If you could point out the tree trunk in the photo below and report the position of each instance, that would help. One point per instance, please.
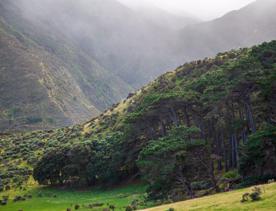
(249, 115)
(174, 116)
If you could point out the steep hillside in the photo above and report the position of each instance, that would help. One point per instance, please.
(37, 90)
(62, 86)
(181, 133)
(248, 26)
(163, 18)
(121, 40)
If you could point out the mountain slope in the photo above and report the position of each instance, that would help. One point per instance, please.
(124, 46)
(163, 18)
(248, 26)
(196, 116)
(70, 85)
(36, 89)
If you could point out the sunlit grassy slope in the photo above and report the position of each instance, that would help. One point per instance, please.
(227, 201)
(45, 199)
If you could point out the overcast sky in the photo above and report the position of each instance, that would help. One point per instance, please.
(204, 9)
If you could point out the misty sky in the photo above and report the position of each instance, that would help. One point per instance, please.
(203, 9)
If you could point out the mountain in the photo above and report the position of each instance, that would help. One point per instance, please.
(250, 25)
(191, 132)
(164, 19)
(46, 79)
(87, 53)
(81, 57)
(36, 88)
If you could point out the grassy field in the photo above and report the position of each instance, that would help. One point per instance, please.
(45, 199)
(227, 201)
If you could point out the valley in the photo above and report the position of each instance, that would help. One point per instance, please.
(180, 121)
(108, 106)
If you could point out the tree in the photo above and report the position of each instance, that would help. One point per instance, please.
(49, 169)
(258, 155)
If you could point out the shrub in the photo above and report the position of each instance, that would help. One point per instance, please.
(255, 196)
(3, 202)
(257, 190)
(270, 181)
(201, 185)
(5, 198)
(19, 198)
(253, 180)
(77, 206)
(97, 205)
(129, 208)
(112, 207)
(245, 197)
(231, 174)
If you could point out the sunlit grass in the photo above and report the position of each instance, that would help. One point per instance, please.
(227, 201)
(60, 200)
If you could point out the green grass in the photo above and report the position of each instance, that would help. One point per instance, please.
(123, 196)
(229, 201)
(120, 197)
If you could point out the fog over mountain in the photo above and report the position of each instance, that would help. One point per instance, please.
(80, 57)
(203, 9)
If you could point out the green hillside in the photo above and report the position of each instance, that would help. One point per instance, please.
(226, 201)
(206, 127)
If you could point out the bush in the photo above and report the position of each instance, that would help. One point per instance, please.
(245, 197)
(112, 207)
(5, 198)
(270, 181)
(232, 175)
(3, 202)
(201, 185)
(129, 208)
(254, 180)
(255, 196)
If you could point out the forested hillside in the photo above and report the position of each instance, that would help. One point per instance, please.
(206, 127)
(63, 61)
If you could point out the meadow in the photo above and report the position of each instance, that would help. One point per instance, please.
(50, 199)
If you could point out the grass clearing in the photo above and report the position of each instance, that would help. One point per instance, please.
(123, 196)
(119, 197)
